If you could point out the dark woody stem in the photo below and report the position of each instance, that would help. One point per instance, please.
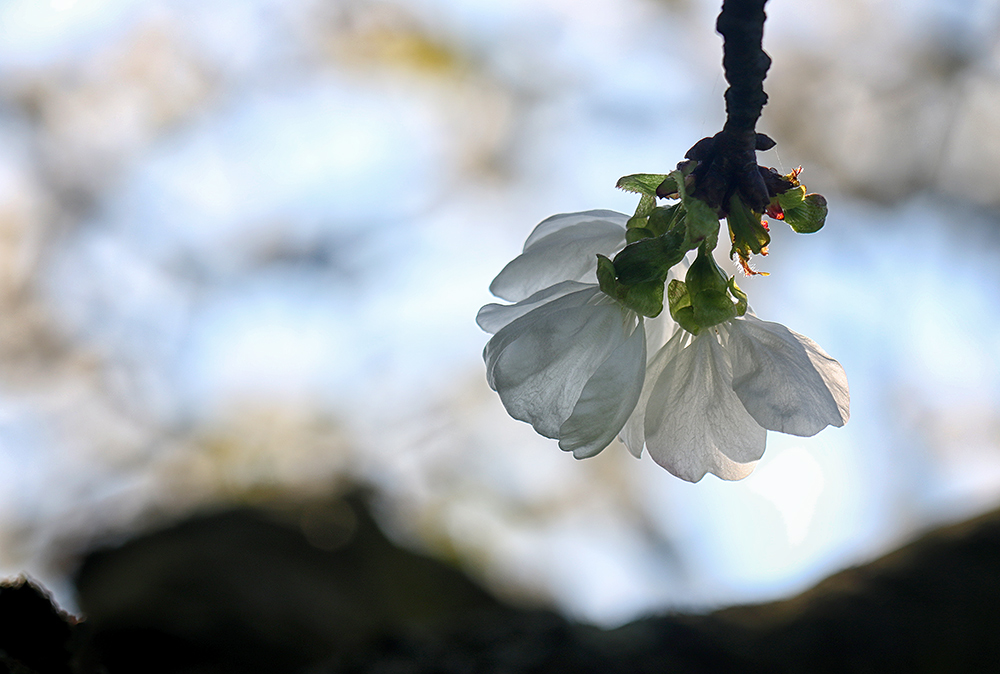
(741, 24)
(728, 160)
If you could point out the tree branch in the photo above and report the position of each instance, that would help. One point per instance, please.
(728, 160)
(741, 25)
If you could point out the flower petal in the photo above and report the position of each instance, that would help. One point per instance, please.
(633, 434)
(540, 363)
(694, 423)
(607, 400)
(785, 380)
(493, 317)
(523, 324)
(566, 254)
(561, 221)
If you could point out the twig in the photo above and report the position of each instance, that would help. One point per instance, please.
(728, 160)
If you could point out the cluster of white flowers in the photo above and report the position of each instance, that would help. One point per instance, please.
(583, 368)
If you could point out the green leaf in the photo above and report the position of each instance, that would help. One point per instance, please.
(641, 183)
(791, 198)
(662, 219)
(648, 259)
(646, 205)
(678, 177)
(809, 216)
(702, 224)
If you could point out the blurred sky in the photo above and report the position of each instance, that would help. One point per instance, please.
(243, 243)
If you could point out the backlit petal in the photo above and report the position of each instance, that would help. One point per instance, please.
(607, 400)
(567, 254)
(561, 221)
(633, 434)
(524, 324)
(785, 380)
(540, 363)
(695, 423)
(493, 317)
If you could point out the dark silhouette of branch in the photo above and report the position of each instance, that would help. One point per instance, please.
(741, 24)
(727, 162)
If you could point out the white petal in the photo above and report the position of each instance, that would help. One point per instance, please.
(694, 423)
(563, 220)
(540, 363)
(659, 330)
(633, 435)
(567, 254)
(607, 400)
(524, 324)
(785, 380)
(493, 317)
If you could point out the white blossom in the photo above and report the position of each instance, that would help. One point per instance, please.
(708, 401)
(582, 368)
(563, 247)
(565, 357)
(573, 366)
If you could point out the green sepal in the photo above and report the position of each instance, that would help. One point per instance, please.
(707, 286)
(638, 234)
(648, 259)
(712, 307)
(681, 310)
(809, 216)
(636, 222)
(748, 233)
(741, 297)
(700, 220)
(645, 207)
(643, 298)
(662, 219)
(702, 225)
(606, 277)
(704, 274)
(641, 183)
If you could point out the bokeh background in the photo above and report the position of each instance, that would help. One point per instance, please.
(243, 243)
